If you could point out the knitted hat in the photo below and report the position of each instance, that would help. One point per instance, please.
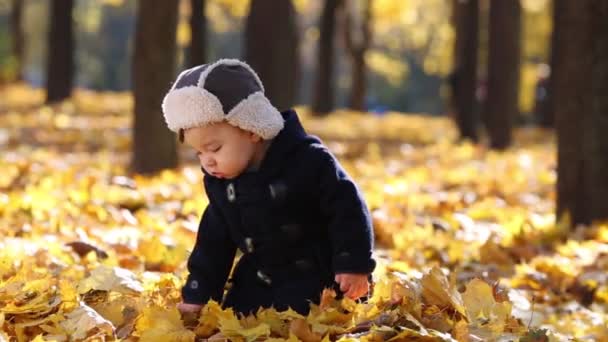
(225, 90)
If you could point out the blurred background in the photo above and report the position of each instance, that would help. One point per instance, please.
(462, 70)
(476, 130)
(408, 45)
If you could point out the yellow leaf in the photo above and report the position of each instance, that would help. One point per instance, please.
(490, 252)
(348, 304)
(408, 334)
(69, 296)
(83, 320)
(228, 323)
(159, 324)
(208, 322)
(161, 252)
(436, 290)
(301, 329)
(112, 311)
(106, 278)
(276, 320)
(461, 331)
(254, 333)
(483, 310)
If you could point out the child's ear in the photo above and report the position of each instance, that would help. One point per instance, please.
(181, 135)
(254, 137)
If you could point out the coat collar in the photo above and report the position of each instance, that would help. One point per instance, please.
(289, 137)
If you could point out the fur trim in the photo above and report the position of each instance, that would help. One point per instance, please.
(189, 107)
(256, 114)
(228, 61)
(194, 106)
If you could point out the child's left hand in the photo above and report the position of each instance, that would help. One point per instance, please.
(354, 285)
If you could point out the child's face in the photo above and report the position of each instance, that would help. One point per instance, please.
(224, 151)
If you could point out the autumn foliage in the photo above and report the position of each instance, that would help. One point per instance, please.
(467, 243)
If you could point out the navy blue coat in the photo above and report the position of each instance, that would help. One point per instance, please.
(298, 220)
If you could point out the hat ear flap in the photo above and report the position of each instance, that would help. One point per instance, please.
(191, 106)
(256, 114)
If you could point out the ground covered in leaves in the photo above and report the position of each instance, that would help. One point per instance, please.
(467, 245)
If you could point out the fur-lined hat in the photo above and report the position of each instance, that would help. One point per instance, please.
(227, 90)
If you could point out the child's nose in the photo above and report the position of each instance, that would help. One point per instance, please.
(207, 161)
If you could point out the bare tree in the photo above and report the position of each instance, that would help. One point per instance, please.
(17, 36)
(154, 146)
(357, 39)
(198, 28)
(581, 108)
(323, 101)
(503, 71)
(547, 114)
(60, 60)
(464, 76)
(271, 48)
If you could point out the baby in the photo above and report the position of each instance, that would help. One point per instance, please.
(275, 193)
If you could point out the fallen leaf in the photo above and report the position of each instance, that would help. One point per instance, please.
(159, 324)
(82, 321)
(107, 278)
(301, 329)
(82, 248)
(436, 290)
(483, 311)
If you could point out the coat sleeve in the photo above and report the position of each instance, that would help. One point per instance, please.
(210, 261)
(350, 225)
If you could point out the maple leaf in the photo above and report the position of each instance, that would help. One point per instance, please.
(106, 278)
(300, 328)
(461, 331)
(83, 320)
(442, 204)
(209, 319)
(159, 324)
(213, 316)
(436, 290)
(487, 317)
(278, 321)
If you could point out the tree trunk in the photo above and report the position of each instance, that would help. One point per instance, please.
(198, 28)
(357, 45)
(114, 50)
(547, 115)
(154, 146)
(18, 37)
(271, 48)
(60, 60)
(464, 77)
(581, 104)
(503, 71)
(323, 101)
(359, 81)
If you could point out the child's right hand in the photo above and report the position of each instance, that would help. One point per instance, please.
(185, 308)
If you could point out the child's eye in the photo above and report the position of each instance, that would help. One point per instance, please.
(215, 149)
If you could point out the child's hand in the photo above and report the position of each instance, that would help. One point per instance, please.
(353, 285)
(186, 308)
(189, 313)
